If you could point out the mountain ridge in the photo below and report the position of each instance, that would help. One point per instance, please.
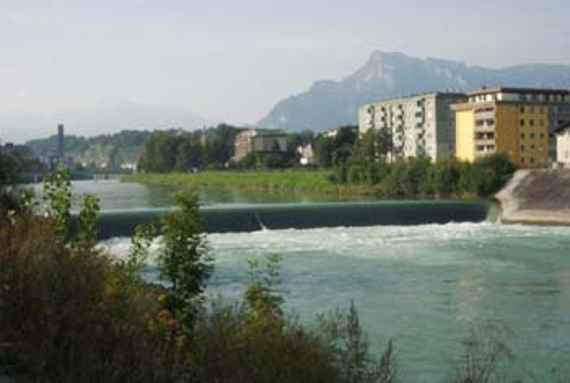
(330, 103)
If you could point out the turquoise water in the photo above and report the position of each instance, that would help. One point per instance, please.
(424, 286)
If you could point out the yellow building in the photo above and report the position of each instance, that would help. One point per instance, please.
(513, 121)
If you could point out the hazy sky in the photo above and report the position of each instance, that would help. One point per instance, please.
(233, 60)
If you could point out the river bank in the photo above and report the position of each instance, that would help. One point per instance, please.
(308, 182)
(540, 197)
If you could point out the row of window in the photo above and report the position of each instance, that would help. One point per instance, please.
(484, 136)
(532, 122)
(487, 122)
(485, 148)
(532, 135)
(531, 147)
(532, 109)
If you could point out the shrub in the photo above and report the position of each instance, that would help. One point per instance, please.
(70, 315)
(184, 260)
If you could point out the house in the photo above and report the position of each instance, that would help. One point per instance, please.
(259, 141)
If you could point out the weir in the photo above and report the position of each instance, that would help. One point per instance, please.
(249, 218)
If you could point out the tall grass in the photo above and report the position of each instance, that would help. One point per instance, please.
(318, 181)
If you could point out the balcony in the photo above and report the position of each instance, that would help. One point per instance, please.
(485, 142)
(485, 128)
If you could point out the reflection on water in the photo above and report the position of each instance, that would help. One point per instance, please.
(115, 195)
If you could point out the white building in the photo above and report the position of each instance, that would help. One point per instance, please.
(422, 125)
(562, 134)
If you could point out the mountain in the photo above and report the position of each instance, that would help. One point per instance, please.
(109, 116)
(328, 104)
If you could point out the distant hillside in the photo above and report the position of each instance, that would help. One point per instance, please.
(328, 104)
(109, 116)
(113, 149)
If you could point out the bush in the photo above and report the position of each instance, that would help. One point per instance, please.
(418, 177)
(70, 315)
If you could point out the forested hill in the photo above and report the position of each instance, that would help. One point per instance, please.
(112, 149)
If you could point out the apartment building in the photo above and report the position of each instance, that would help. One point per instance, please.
(259, 141)
(420, 125)
(515, 121)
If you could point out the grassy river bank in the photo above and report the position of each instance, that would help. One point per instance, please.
(285, 181)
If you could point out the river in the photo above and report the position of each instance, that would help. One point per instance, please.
(424, 285)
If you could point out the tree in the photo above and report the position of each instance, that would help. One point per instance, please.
(324, 148)
(184, 260)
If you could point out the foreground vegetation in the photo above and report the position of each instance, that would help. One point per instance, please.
(72, 313)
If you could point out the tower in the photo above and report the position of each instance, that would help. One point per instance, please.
(60, 143)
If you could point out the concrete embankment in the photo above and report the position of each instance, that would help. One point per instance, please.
(540, 197)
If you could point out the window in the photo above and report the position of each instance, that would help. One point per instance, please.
(523, 136)
(532, 160)
(522, 160)
(522, 122)
(532, 135)
(541, 135)
(531, 122)
(532, 147)
(522, 148)
(522, 109)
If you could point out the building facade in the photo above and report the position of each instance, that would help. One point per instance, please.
(422, 125)
(562, 139)
(259, 141)
(514, 121)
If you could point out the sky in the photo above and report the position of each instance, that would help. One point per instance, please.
(233, 60)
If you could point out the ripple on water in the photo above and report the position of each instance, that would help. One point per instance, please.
(422, 285)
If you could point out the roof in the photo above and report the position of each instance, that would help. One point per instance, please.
(501, 89)
(413, 96)
(264, 132)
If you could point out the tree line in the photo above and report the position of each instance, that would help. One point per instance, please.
(212, 148)
(369, 160)
(374, 161)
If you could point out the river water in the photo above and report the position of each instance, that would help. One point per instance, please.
(422, 285)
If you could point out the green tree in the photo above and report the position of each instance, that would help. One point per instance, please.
(262, 297)
(324, 149)
(87, 231)
(184, 259)
(57, 199)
